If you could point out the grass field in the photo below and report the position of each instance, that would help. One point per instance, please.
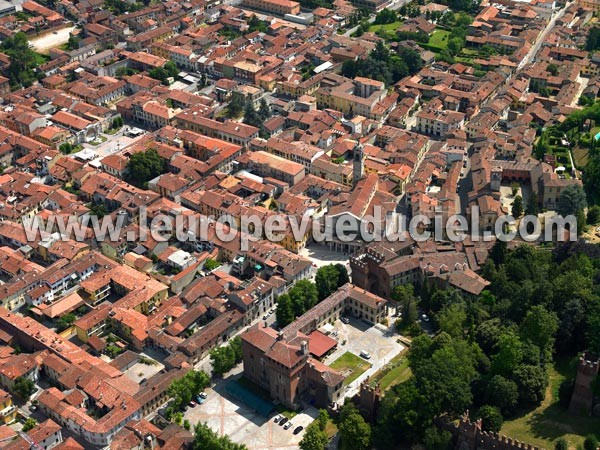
(385, 27)
(580, 155)
(544, 425)
(439, 39)
(395, 372)
(351, 366)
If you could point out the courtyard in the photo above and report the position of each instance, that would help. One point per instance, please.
(230, 417)
(144, 369)
(351, 366)
(357, 336)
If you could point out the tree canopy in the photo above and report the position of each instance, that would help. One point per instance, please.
(143, 167)
(23, 60)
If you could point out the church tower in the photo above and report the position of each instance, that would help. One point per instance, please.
(358, 163)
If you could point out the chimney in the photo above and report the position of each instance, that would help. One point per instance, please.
(304, 348)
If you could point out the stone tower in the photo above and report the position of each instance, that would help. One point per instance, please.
(358, 163)
(583, 397)
(496, 178)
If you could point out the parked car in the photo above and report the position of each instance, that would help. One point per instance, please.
(192, 403)
(200, 399)
(203, 395)
(425, 318)
(298, 429)
(277, 418)
(287, 426)
(283, 421)
(345, 320)
(365, 354)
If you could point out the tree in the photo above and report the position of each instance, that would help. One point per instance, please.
(73, 42)
(491, 419)
(207, 439)
(532, 205)
(455, 45)
(452, 319)
(264, 111)
(160, 74)
(23, 60)
(509, 354)
(593, 215)
(532, 382)
(329, 278)
(591, 179)
(444, 370)
(385, 16)
(517, 206)
(235, 107)
(304, 296)
(143, 167)
(552, 69)
(117, 123)
(24, 387)
(211, 264)
(561, 444)
(437, 439)
(502, 393)
(498, 252)
(284, 312)
(65, 321)
(572, 200)
(184, 389)
(171, 69)
(225, 358)
(314, 438)
(539, 327)
(355, 433)
(590, 442)
(593, 39)
(251, 117)
(29, 424)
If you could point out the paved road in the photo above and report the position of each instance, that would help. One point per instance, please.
(530, 57)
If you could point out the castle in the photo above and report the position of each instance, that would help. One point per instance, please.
(471, 437)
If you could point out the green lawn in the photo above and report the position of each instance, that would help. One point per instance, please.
(351, 366)
(395, 372)
(41, 58)
(581, 155)
(439, 39)
(385, 27)
(544, 425)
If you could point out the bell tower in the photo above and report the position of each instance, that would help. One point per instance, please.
(358, 163)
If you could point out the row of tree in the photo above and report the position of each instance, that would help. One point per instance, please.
(306, 294)
(226, 357)
(185, 389)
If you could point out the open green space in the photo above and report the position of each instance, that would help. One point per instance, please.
(351, 366)
(395, 372)
(549, 422)
(439, 39)
(385, 27)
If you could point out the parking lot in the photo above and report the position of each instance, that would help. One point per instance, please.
(236, 420)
